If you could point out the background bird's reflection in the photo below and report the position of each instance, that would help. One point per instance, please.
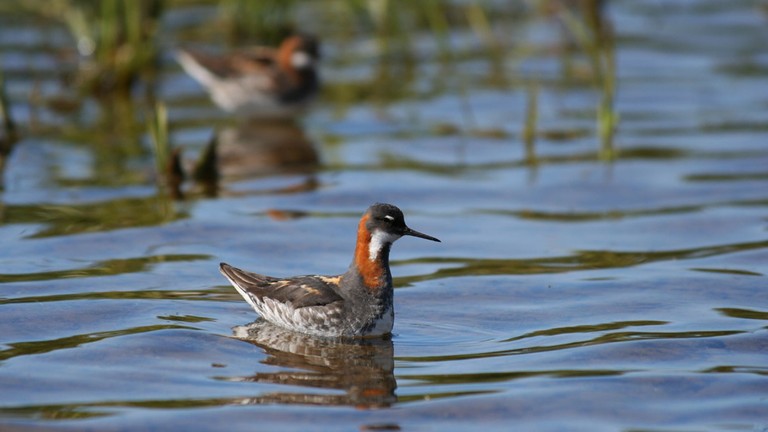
(264, 148)
(247, 149)
(362, 368)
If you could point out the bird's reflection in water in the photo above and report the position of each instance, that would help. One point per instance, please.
(258, 148)
(362, 368)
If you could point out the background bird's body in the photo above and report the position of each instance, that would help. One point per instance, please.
(259, 82)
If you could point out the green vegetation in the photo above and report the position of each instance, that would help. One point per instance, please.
(530, 125)
(8, 134)
(168, 169)
(116, 38)
(417, 50)
(595, 37)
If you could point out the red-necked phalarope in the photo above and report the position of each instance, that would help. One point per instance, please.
(356, 303)
(260, 82)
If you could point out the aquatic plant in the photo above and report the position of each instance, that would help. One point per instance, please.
(158, 132)
(530, 124)
(169, 172)
(593, 32)
(266, 21)
(115, 38)
(8, 133)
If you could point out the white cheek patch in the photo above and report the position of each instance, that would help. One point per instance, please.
(301, 60)
(379, 239)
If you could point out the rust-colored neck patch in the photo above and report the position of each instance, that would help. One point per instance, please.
(372, 272)
(284, 54)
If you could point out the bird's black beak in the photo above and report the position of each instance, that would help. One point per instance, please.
(415, 233)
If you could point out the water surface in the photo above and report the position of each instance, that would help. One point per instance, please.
(571, 291)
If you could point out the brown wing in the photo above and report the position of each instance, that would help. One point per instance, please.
(300, 291)
(236, 64)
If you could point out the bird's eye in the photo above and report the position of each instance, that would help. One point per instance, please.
(389, 218)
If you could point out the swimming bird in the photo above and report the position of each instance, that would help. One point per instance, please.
(356, 303)
(259, 82)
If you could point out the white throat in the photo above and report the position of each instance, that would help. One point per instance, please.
(380, 239)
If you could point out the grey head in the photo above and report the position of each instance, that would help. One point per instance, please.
(386, 222)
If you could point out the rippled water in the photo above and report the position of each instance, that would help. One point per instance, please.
(568, 293)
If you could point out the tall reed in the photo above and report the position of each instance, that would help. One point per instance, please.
(531, 123)
(594, 34)
(115, 38)
(8, 133)
(170, 174)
